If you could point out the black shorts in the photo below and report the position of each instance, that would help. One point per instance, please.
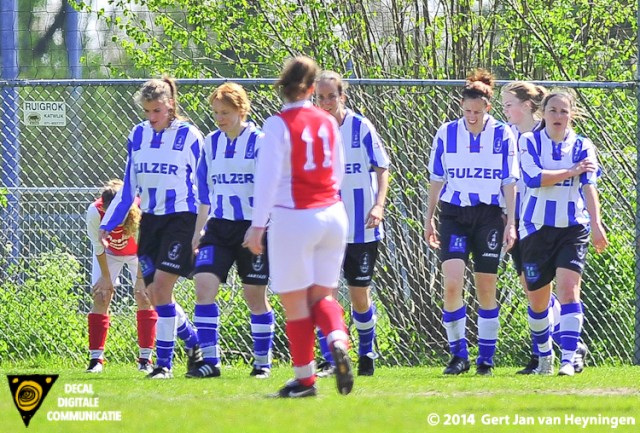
(475, 230)
(165, 244)
(221, 246)
(516, 253)
(550, 248)
(359, 263)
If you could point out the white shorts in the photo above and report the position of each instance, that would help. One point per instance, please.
(115, 264)
(306, 247)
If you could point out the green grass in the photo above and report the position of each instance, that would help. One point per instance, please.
(395, 400)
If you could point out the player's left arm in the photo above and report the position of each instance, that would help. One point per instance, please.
(376, 213)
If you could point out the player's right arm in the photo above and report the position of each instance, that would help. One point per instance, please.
(103, 286)
(121, 203)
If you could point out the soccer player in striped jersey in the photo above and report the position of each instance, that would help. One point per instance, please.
(560, 208)
(225, 186)
(521, 104)
(473, 167)
(364, 192)
(298, 175)
(162, 155)
(108, 262)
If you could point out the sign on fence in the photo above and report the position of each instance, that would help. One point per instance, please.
(44, 113)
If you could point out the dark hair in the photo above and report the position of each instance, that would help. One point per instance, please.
(297, 77)
(479, 85)
(526, 91)
(164, 90)
(567, 93)
(335, 77)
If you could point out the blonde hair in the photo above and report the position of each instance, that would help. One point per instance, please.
(525, 91)
(232, 94)
(479, 85)
(164, 90)
(132, 221)
(335, 77)
(297, 77)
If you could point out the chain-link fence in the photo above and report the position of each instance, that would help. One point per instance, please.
(52, 174)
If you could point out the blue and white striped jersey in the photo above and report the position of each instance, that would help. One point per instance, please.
(160, 169)
(226, 173)
(520, 185)
(562, 204)
(363, 150)
(474, 169)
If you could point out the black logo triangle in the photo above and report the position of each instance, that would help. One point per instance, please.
(29, 391)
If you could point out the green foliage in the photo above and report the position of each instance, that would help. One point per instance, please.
(3, 197)
(566, 40)
(39, 306)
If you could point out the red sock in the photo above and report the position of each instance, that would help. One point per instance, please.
(328, 315)
(146, 320)
(302, 341)
(98, 327)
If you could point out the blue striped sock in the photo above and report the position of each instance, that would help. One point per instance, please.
(488, 326)
(571, 319)
(455, 323)
(324, 347)
(365, 323)
(186, 331)
(207, 318)
(541, 331)
(262, 332)
(165, 334)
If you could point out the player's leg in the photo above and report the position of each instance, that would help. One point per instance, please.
(327, 313)
(254, 273)
(146, 318)
(98, 318)
(359, 265)
(207, 315)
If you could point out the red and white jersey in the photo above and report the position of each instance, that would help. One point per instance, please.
(301, 161)
(119, 245)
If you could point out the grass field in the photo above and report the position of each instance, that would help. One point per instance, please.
(396, 400)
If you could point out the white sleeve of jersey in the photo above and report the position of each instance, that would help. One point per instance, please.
(530, 161)
(380, 155)
(338, 160)
(437, 167)
(513, 163)
(591, 178)
(194, 155)
(93, 229)
(269, 169)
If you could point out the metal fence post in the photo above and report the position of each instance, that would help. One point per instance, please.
(10, 144)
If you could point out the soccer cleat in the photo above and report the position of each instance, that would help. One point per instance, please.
(145, 365)
(294, 389)
(343, 369)
(484, 369)
(325, 369)
(95, 366)
(260, 373)
(457, 365)
(204, 370)
(580, 356)
(160, 373)
(366, 366)
(194, 358)
(531, 366)
(545, 366)
(566, 369)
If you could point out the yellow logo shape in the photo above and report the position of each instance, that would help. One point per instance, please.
(29, 392)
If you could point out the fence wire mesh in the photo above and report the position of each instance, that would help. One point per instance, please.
(52, 174)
